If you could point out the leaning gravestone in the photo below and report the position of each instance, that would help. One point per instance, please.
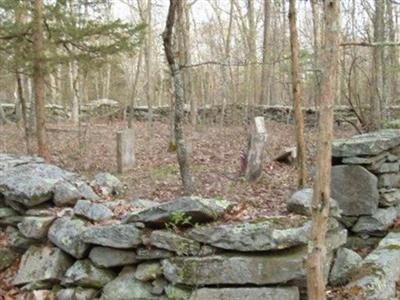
(255, 155)
(125, 150)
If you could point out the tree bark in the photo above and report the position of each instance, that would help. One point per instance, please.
(181, 150)
(265, 68)
(39, 80)
(297, 95)
(321, 194)
(315, 8)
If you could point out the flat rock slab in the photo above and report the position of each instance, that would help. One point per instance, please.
(171, 241)
(379, 271)
(65, 233)
(190, 209)
(369, 144)
(127, 287)
(84, 273)
(273, 233)
(379, 222)
(105, 257)
(355, 189)
(92, 211)
(273, 293)
(8, 161)
(31, 184)
(76, 294)
(42, 264)
(241, 270)
(123, 236)
(151, 253)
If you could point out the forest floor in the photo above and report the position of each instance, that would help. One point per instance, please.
(215, 160)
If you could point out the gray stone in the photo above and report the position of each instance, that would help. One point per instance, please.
(300, 203)
(34, 183)
(380, 270)
(76, 294)
(348, 221)
(361, 242)
(389, 180)
(148, 271)
(66, 194)
(389, 197)
(273, 233)
(35, 227)
(144, 253)
(108, 184)
(178, 293)
(127, 287)
(240, 270)
(345, 264)
(7, 257)
(92, 211)
(6, 212)
(105, 257)
(173, 242)
(159, 286)
(355, 189)
(389, 168)
(12, 220)
(41, 264)
(183, 210)
(8, 161)
(85, 274)
(368, 144)
(270, 293)
(380, 221)
(17, 241)
(369, 161)
(65, 234)
(122, 236)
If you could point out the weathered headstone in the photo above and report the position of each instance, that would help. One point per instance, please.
(255, 153)
(125, 150)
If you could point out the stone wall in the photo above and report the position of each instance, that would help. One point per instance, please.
(77, 246)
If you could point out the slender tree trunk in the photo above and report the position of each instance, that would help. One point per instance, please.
(22, 100)
(252, 83)
(321, 194)
(181, 150)
(266, 52)
(74, 77)
(315, 8)
(134, 89)
(39, 80)
(393, 56)
(148, 56)
(297, 95)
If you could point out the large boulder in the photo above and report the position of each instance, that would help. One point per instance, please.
(127, 287)
(183, 211)
(247, 293)
(85, 274)
(273, 233)
(106, 257)
(368, 144)
(42, 264)
(33, 183)
(355, 189)
(65, 233)
(122, 236)
(379, 271)
(300, 203)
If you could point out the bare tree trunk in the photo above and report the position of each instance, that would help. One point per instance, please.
(148, 56)
(266, 52)
(297, 95)
(25, 120)
(134, 89)
(181, 150)
(321, 194)
(39, 80)
(73, 78)
(315, 8)
(393, 56)
(376, 97)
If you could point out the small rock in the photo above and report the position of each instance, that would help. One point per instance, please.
(158, 286)
(7, 257)
(183, 211)
(42, 263)
(127, 287)
(300, 203)
(379, 222)
(35, 227)
(247, 293)
(76, 294)
(178, 293)
(390, 180)
(345, 263)
(85, 274)
(65, 234)
(173, 242)
(148, 271)
(143, 253)
(389, 168)
(108, 184)
(92, 211)
(105, 257)
(65, 194)
(389, 197)
(17, 241)
(6, 212)
(122, 236)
